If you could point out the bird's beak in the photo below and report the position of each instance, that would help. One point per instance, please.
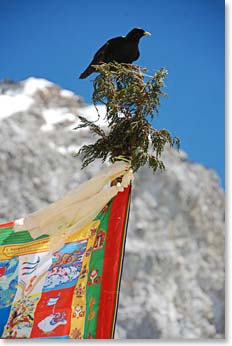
(147, 33)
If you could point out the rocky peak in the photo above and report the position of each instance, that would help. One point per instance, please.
(173, 276)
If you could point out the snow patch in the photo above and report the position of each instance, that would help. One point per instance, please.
(68, 150)
(47, 127)
(56, 115)
(92, 114)
(32, 85)
(21, 102)
(14, 104)
(67, 93)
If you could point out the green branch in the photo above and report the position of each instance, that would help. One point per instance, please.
(131, 99)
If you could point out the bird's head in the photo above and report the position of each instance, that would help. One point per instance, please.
(136, 33)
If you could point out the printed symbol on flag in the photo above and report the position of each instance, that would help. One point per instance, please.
(21, 318)
(8, 281)
(3, 270)
(30, 267)
(84, 272)
(8, 272)
(61, 277)
(99, 242)
(94, 278)
(106, 207)
(80, 291)
(29, 287)
(76, 333)
(51, 322)
(53, 300)
(93, 231)
(89, 251)
(91, 312)
(78, 311)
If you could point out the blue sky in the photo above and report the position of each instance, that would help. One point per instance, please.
(56, 39)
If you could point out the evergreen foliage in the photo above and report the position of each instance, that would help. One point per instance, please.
(132, 99)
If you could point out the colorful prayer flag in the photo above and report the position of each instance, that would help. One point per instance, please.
(72, 293)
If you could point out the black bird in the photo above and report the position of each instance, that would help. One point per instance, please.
(122, 49)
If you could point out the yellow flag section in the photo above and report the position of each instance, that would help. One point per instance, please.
(79, 297)
(40, 245)
(12, 250)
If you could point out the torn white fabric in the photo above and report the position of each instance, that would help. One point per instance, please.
(78, 208)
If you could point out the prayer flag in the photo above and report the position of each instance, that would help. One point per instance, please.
(71, 293)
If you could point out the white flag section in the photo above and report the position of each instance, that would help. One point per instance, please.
(78, 208)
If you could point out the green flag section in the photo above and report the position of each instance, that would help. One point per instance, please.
(71, 294)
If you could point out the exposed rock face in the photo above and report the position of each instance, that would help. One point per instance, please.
(173, 276)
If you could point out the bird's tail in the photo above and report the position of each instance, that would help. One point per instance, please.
(90, 69)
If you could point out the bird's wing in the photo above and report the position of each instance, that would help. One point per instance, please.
(104, 53)
(98, 58)
(100, 54)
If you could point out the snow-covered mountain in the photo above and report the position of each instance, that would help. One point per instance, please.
(173, 276)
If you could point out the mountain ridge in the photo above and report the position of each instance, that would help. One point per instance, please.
(173, 275)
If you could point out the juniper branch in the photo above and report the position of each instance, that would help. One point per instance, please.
(131, 99)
